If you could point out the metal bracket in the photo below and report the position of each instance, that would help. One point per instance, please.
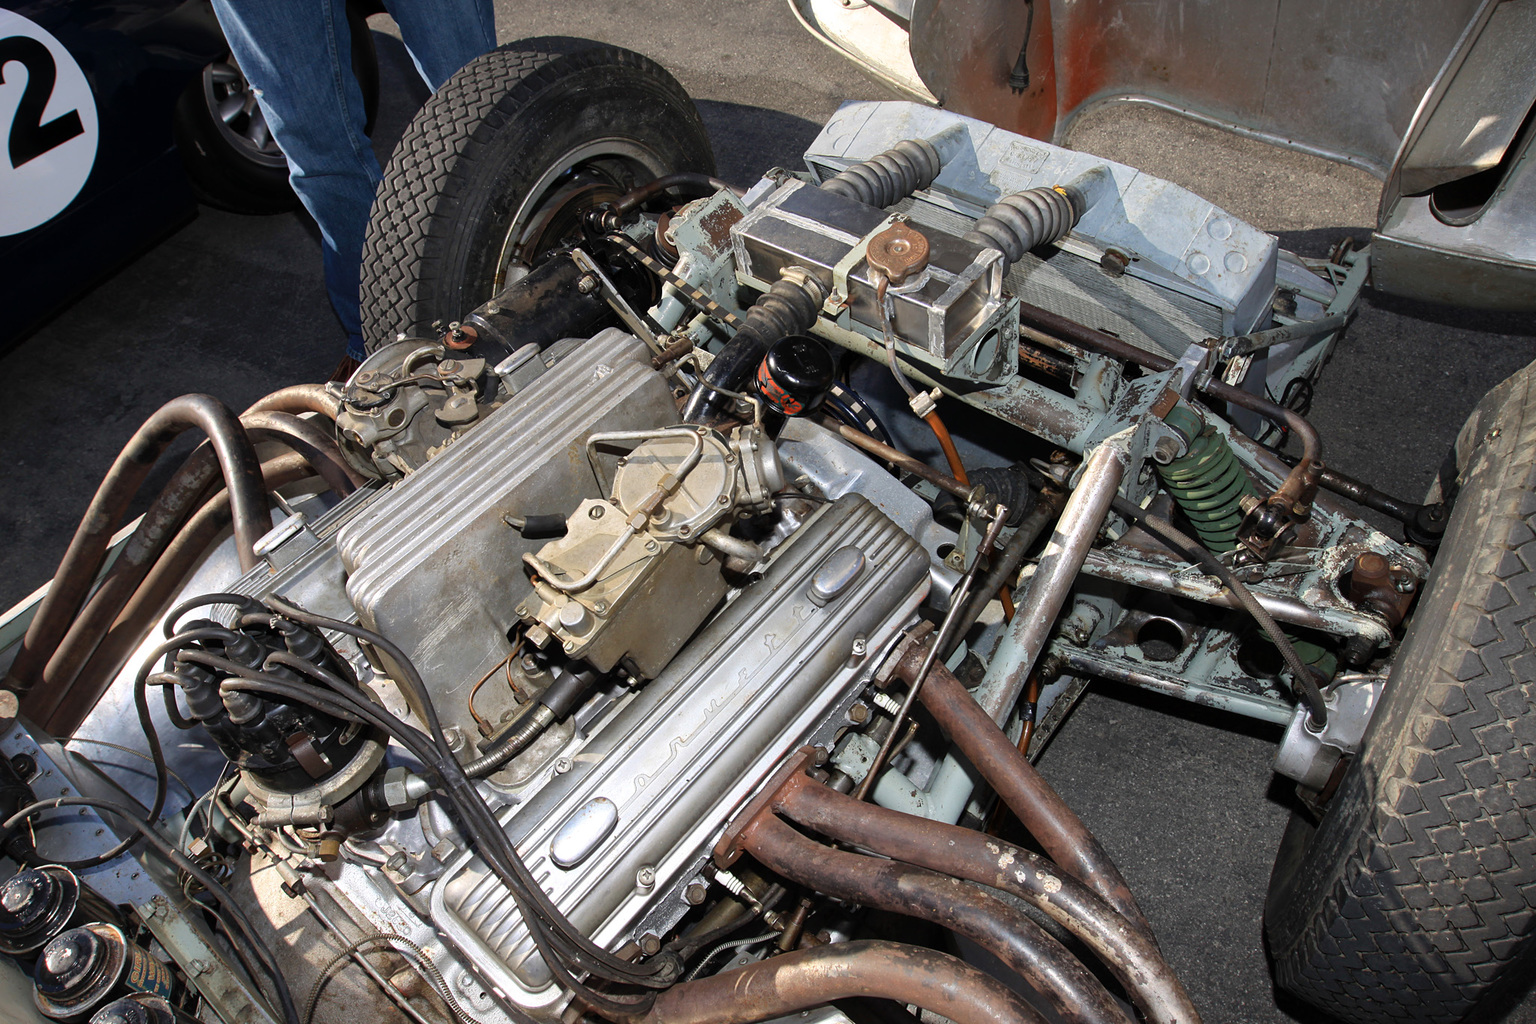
(837, 300)
(1309, 756)
(631, 319)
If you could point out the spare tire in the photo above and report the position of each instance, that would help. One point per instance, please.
(499, 164)
(1414, 897)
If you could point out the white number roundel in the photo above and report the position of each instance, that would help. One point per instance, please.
(48, 128)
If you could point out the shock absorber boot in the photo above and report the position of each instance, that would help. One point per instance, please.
(789, 307)
(1019, 222)
(1206, 482)
(890, 176)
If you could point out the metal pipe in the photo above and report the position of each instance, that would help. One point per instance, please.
(698, 184)
(1131, 955)
(957, 601)
(1086, 663)
(147, 603)
(901, 460)
(1045, 361)
(77, 570)
(305, 437)
(1039, 808)
(1019, 942)
(299, 398)
(1343, 621)
(805, 978)
(1005, 567)
(169, 512)
(1257, 341)
(1081, 519)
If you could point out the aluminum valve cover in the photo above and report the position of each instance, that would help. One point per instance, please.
(433, 566)
(651, 790)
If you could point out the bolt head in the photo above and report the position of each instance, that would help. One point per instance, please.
(695, 893)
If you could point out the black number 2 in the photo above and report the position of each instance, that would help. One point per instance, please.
(30, 138)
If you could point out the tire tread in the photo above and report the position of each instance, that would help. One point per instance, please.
(427, 176)
(1436, 897)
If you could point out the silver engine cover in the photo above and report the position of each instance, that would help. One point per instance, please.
(773, 671)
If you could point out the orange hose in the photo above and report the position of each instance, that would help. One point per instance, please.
(946, 442)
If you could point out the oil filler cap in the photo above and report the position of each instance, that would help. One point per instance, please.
(836, 574)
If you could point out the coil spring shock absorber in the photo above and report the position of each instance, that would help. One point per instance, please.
(1207, 481)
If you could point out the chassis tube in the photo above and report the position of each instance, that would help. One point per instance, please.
(786, 984)
(1130, 954)
(1039, 808)
(1081, 519)
(77, 570)
(903, 889)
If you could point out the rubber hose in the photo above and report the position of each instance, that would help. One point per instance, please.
(1018, 223)
(789, 307)
(890, 176)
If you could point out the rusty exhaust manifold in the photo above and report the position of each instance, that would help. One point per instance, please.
(928, 860)
(1007, 933)
(782, 985)
(1129, 953)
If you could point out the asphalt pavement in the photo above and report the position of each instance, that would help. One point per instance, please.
(1182, 797)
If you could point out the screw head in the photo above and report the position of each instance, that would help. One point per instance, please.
(596, 511)
(645, 877)
(562, 765)
(860, 646)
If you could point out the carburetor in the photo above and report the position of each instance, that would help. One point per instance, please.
(663, 530)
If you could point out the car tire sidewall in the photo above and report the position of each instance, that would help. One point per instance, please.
(1341, 855)
(580, 107)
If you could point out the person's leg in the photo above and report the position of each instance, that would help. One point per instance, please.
(297, 54)
(444, 35)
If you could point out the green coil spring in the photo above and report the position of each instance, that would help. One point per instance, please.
(1206, 481)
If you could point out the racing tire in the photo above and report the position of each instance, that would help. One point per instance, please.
(1413, 898)
(231, 161)
(497, 165)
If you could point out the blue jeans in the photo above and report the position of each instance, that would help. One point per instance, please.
(297, 55)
